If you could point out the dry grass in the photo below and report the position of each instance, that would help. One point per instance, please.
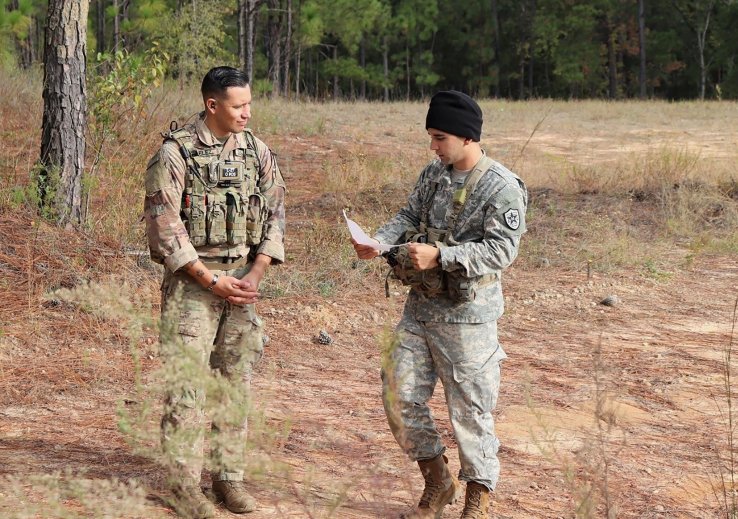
(636, 189)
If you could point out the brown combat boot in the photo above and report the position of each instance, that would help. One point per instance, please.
(476, 505)
(234, 495)
(441, 488)
(190, 503)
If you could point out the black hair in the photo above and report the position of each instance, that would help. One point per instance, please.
(218, 79)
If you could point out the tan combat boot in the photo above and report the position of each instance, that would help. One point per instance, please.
(476, 505)
(234, 495)
(441, 488)
(190, 503)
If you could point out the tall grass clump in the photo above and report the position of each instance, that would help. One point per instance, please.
(72, 496)
(725, 476)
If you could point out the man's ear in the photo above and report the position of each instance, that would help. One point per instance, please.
(210, 104)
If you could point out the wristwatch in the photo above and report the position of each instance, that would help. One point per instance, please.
(213, 282)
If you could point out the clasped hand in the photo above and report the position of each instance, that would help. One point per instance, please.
(236, 291)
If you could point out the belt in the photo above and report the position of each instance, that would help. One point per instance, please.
(224, 263)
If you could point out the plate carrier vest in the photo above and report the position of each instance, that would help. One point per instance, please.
(221, 202)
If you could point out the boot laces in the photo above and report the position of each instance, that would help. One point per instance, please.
(473, 502)
(430, 493)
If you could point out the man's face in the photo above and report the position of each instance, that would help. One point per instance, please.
(449, 148)
(230, 113)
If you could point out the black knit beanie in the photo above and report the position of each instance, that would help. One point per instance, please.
(455, 113)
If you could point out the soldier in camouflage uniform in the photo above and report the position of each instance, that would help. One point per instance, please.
(464, 219)
(214, 213)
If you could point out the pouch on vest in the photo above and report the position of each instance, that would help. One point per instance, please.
(193, 207)
(235, 218)
(464, 289)
(256, 217)
(429, 282)
(216, 219)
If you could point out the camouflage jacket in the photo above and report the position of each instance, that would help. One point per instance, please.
(167, 235)
(486, 238)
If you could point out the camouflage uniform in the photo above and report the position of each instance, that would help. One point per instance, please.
(210, 331)
(451, 340)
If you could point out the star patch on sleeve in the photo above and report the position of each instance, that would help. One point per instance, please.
(512, 219)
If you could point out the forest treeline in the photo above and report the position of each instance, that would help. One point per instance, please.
(406, 49)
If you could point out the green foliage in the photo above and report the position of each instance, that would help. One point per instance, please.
(15, 24)
(510, 48)
(193, 37)
(119, 86)
(41, 192)
(346, 68)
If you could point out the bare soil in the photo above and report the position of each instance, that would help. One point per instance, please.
(656, 357)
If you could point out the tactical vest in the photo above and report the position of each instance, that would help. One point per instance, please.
(221, 202)
(436, 281)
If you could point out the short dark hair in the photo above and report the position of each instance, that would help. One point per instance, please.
(218, 79)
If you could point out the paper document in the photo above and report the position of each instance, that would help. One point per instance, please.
(362, 238)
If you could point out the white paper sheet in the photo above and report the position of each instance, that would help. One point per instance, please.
(362, 238)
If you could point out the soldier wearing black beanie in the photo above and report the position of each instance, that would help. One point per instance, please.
(456, 113)
(463, 220)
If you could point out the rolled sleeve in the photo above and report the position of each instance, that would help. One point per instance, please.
(181, 257)
(167, 236)
(272, 186)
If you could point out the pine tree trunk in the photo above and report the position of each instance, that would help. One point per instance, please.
(335, 76)
(100, 26)
(287, 52)
(298, 64)
(241, 26)
(116, 26)
(274, 31)
(407, 69)
(642, 47)
(385, 65)
(362, 62)
(65, 103)
(612, 66)
(496, 60)
(250, 15)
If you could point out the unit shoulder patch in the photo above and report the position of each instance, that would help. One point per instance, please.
(512, 219)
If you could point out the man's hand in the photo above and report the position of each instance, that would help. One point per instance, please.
(423, 256)
(249, 284)
(365, 252)
(236, 291)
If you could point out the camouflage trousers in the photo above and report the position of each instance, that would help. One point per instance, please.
(466, 358)
(208, 348)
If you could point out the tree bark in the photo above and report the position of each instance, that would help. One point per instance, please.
(407, 69)
(274, 30)
(287, 51)
(335, 76)
(116, 26)
(702, 45)
(362, 61)
(642, 48)
(612, 66)
(496, 41)
(385, 64)
(534, 6)
(241, 26)
(100, 26)
(65, 104)
(251, 6)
